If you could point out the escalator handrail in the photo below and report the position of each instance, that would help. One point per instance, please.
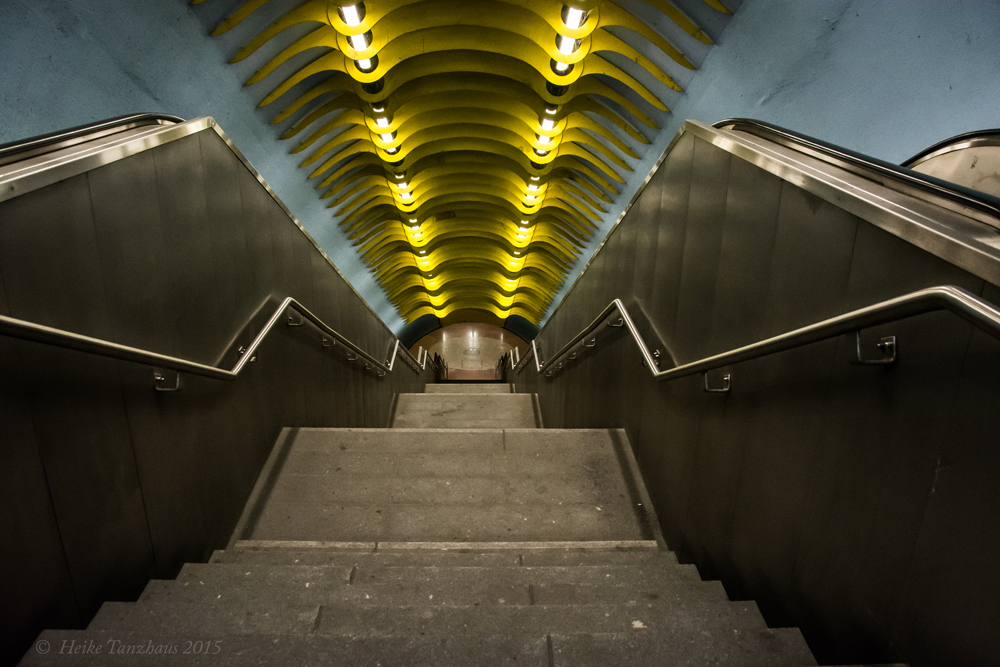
(979, 137)
(966, 305)
(38, 333)
(979, 201)
(45, 143)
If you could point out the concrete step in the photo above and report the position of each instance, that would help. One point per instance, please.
(465, 411)
(642, 576)
(443, 558)
(447, 523)
(249, 650)
(392, 485)
(683, 644)
(470, 388)
(359, 619)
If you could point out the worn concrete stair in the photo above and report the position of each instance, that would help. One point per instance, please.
(466, 406)
(469, 388)
(447, 545)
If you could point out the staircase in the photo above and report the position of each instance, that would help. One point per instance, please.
(465, 534)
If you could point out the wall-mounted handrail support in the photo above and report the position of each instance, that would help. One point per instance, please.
(886, 346)
(38, 333)
(966, 305)
(726, 384)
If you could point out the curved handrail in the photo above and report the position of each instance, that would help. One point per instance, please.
(38, 333)
(966, 305)
(34, 146)
(965, 140)
(953, 192)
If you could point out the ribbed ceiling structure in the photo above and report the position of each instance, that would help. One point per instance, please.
(468, 147)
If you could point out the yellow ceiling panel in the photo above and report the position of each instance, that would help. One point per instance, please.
(468, 149)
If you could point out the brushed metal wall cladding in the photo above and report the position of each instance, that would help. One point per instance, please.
(858, 502)
(104, 482)
(470, 150)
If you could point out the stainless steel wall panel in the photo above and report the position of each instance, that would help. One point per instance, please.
(44, 282)
(167, 432)
(50, 260)
(260, 213)
(33, 568)
(744, 265)
(664, 282)
(702, 250)
(782, 400)
(949, 613)
(671, 415)
(223, 173)
(648, 219)
(83, 436)
(192, 290)
(889, 426)
(813, 245)
(132, 254)
(745, 255)
(807, 282)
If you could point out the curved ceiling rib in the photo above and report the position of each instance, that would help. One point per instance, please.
(469, 149)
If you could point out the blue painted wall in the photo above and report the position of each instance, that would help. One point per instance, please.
(67, 63)
(883, 77)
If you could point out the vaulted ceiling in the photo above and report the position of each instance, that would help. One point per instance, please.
(468, 148)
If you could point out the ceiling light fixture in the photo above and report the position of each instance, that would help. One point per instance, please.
(567, 45)
(360, 42)
(560, 68)
(574, 18)
(367, 65)
(352, 14)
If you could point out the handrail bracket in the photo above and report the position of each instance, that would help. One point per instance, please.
(886, 345)
(726, 384)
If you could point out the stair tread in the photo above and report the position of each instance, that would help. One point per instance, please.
(435, 522)
(640, 572)
(683, 644)
(328, 556)
(351, 619)
(250, 650)
(464, 411)
(467, 388)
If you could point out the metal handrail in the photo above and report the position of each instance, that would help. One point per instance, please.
(964, 140)
(38, 333)
(966, 305)
(959, 194)
(35, 146)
